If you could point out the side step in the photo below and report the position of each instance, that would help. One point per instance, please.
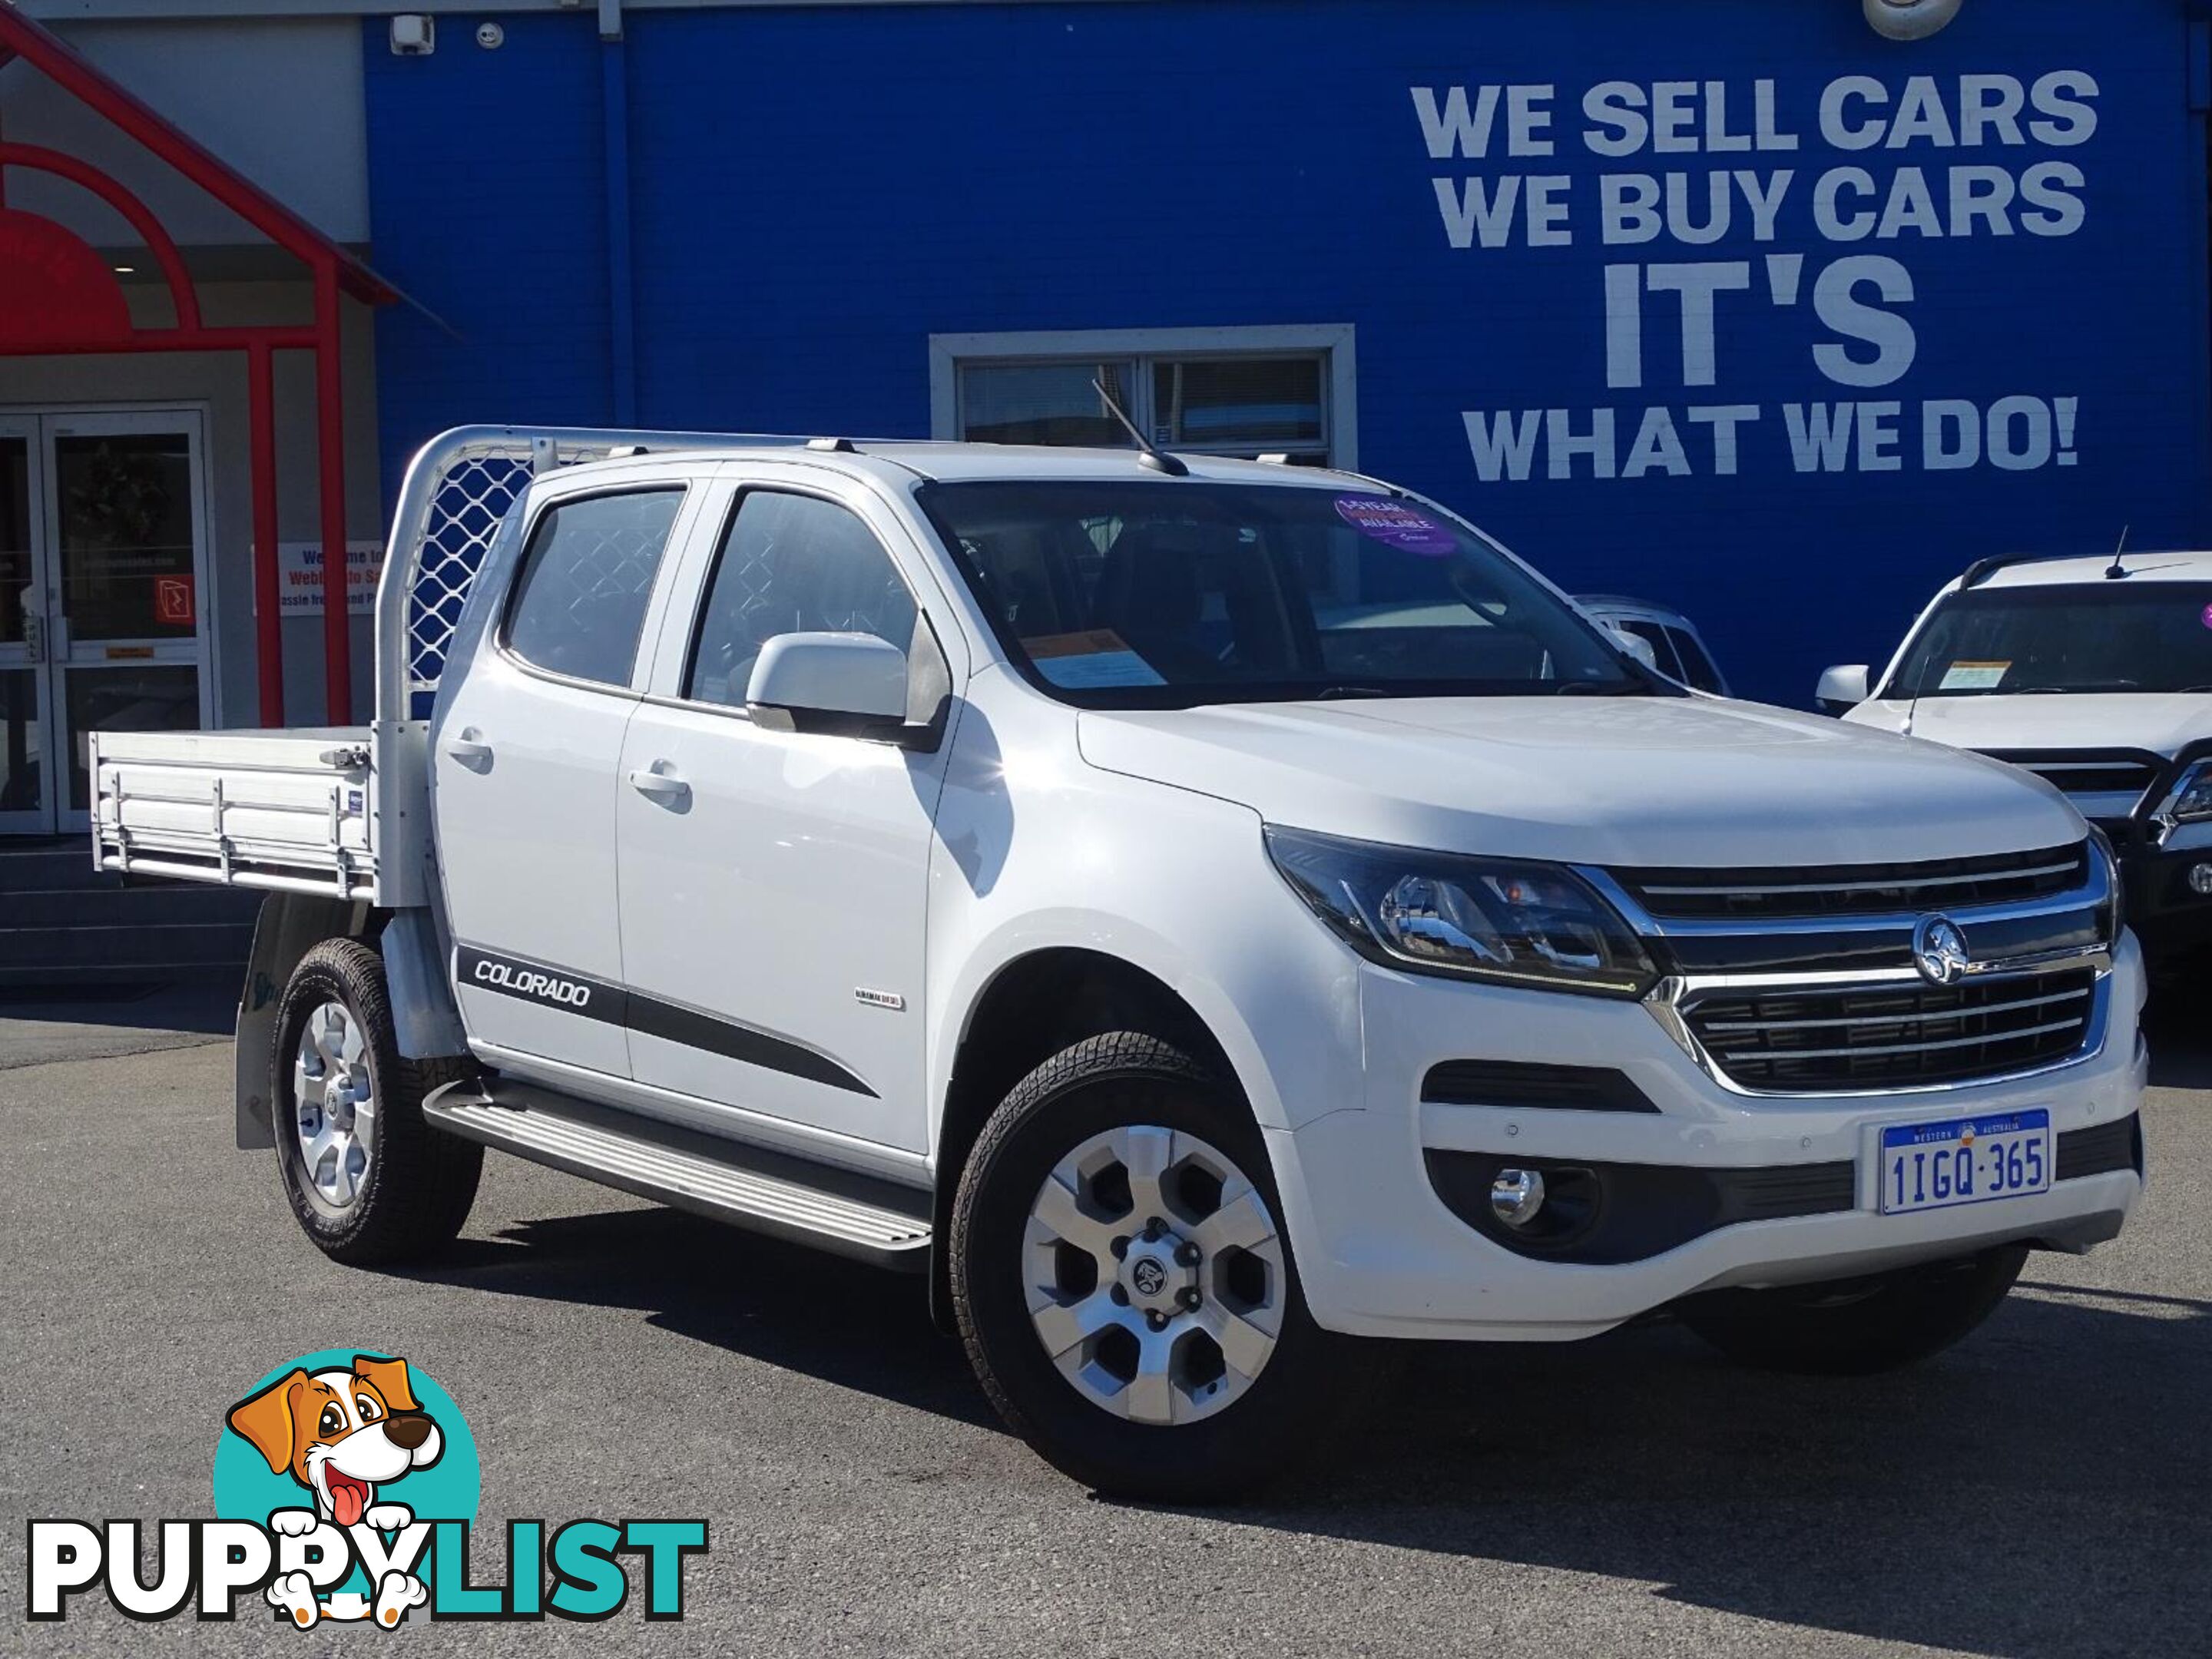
(768, 1192)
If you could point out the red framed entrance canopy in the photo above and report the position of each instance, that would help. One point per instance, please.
(59, 297)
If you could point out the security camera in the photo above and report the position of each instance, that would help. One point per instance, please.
(1909, 20)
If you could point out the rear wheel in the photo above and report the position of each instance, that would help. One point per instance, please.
(370, 1180)
(1860, 1326)
(1122, 1282)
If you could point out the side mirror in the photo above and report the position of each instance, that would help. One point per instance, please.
(1842, 690)
(1636, 646)
(849, 685)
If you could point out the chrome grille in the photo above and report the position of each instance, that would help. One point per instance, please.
(1823, 1040)
(2100, 784)
(2096, 777)
(1856, 890)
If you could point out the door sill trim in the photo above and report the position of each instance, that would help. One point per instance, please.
(765, 1191)
(713, 1117)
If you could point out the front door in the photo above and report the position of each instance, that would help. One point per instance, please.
(103, 566)
(775, 884)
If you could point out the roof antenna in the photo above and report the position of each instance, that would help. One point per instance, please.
(1147, 454)
(2117, 569)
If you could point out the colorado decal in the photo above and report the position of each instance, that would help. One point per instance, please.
(650, 1016)
(533, 983)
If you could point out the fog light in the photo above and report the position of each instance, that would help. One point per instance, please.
(2200, 880)
(1517, 1196)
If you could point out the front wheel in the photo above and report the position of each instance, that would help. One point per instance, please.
(1860, 1326)
(370, 1180)
(1122, 1282)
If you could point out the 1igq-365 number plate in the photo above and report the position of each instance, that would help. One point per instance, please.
(1966, 1160)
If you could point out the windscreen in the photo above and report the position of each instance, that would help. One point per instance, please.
(1134, 594)
(2114, 636)
(1698, 668)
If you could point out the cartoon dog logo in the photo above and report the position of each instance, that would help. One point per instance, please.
(343, 1434)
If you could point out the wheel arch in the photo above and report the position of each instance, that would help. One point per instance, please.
(1032, 1006)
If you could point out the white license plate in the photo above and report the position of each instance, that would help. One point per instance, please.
(1965, 1160)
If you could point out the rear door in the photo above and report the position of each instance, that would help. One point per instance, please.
(775, 884)
(525, 765)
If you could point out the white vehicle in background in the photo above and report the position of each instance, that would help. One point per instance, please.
(2096, 675)
(1196, 911)
(1678, 650)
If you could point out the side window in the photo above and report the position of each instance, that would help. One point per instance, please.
(1655, 636)
(579, 605)
(791, 564)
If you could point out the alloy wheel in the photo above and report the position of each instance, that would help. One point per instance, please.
(1154, 1274)
(334, 1105)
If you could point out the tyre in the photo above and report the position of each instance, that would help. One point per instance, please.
(1123, 1284)
(1859, 1327)
(371, 1182)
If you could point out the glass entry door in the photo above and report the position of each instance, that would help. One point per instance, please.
(26, 765)
(103, 558)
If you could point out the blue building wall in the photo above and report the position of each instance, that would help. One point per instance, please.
(815, 192)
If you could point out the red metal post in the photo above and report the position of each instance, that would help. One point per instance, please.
(330, 440)
(268, 623)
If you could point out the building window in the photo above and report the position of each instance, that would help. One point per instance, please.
(1247, 392)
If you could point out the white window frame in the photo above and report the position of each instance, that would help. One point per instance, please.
(948, 352)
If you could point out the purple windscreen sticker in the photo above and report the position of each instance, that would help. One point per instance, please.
(1395, 525)
(2207, 616)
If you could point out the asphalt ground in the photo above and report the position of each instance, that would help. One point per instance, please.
(2044, 1489)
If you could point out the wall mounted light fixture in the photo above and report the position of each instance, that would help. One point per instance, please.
(414, 35)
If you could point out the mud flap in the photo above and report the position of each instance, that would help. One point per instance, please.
(424, 1017)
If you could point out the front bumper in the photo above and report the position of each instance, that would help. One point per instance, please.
(2172, 918)
(1382, 1253)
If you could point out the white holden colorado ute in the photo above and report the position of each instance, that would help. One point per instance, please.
(1200, 913)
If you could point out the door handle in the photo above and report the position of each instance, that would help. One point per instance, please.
(35, 633)
(470, 749)
(663, 787)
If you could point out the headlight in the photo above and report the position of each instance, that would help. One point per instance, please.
(1471, 918)
(2189, 801)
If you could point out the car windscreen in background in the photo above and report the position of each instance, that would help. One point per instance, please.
(2118, 635)
(1698, 668)
(1119, 593)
